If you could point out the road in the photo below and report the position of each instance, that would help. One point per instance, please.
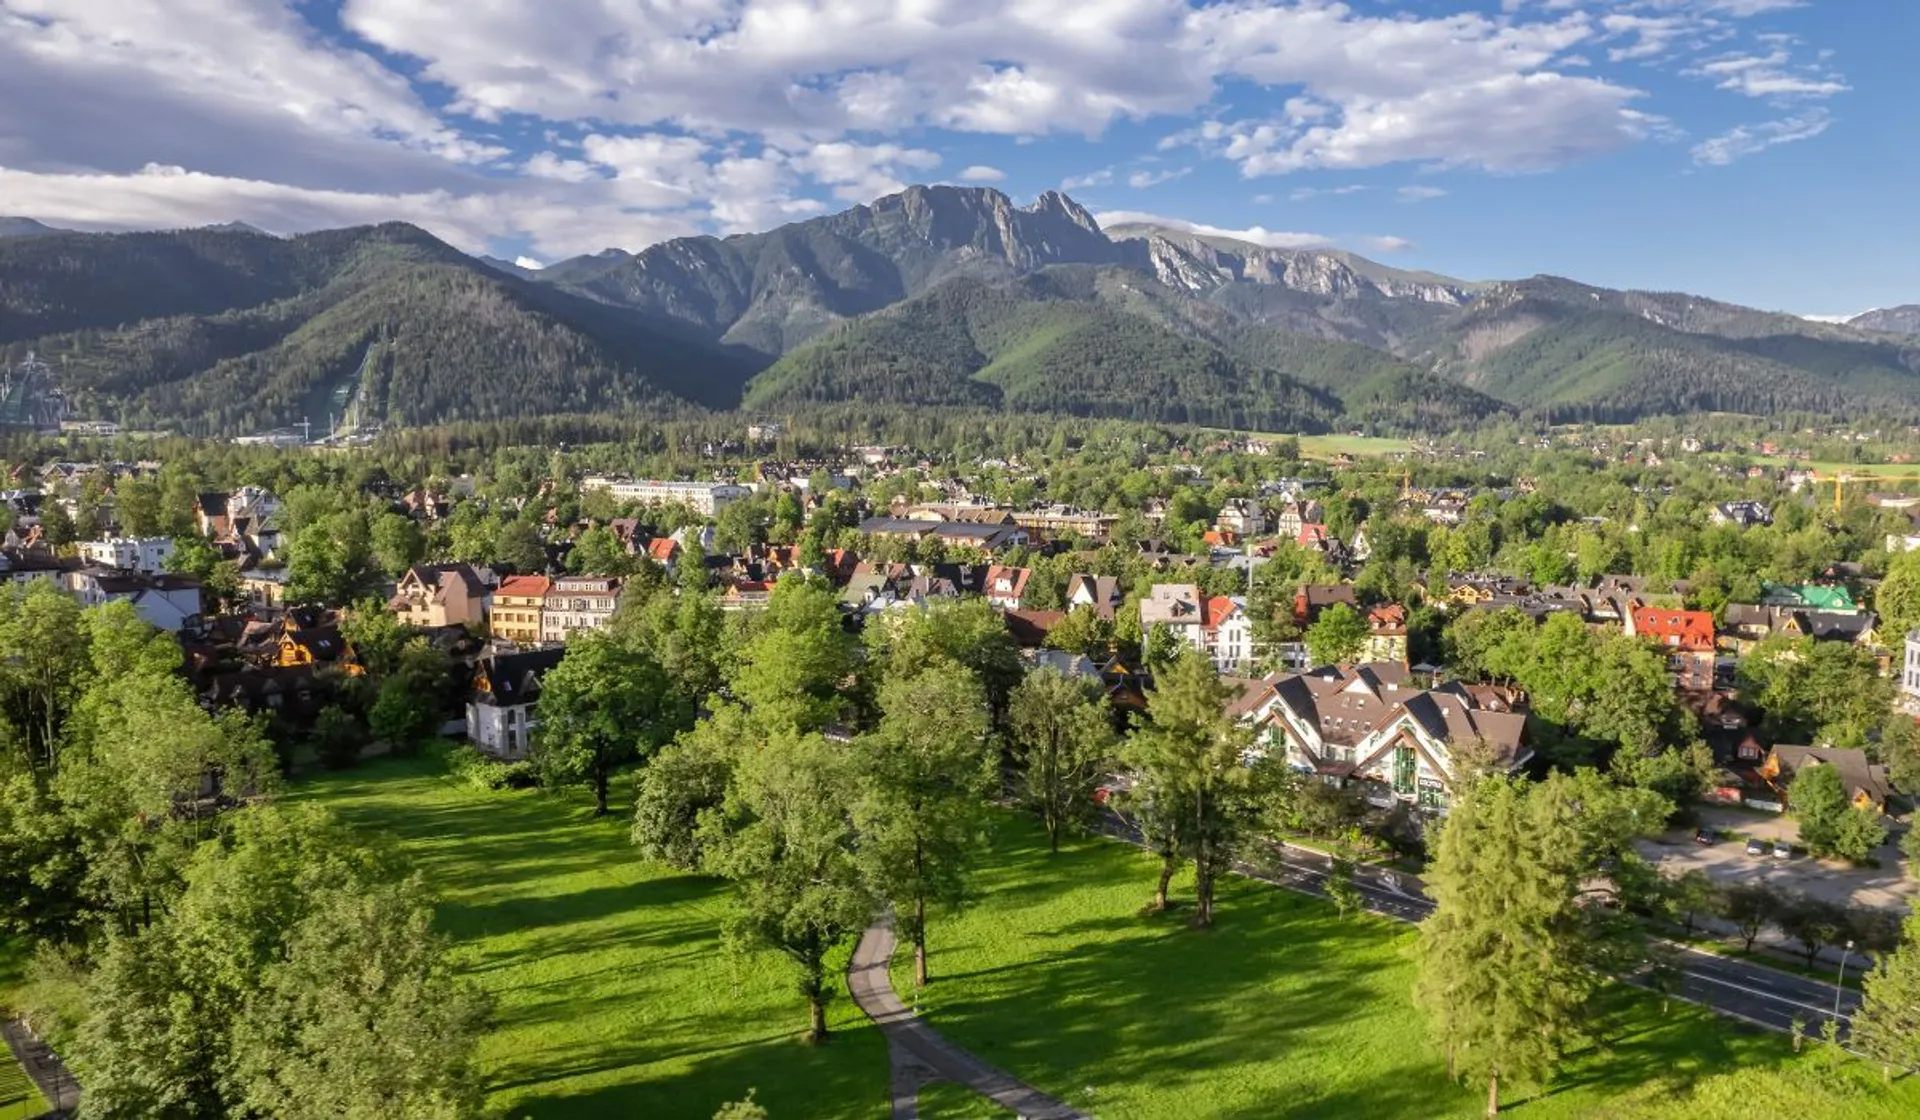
(1765, 997)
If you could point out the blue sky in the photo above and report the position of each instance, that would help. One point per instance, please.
(1760, 151)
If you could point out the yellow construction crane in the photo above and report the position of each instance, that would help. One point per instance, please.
(1839, 488)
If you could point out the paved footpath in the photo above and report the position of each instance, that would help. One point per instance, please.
(919, 1053)
(42, 1065)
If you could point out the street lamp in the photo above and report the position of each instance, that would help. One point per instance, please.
(1838, 991)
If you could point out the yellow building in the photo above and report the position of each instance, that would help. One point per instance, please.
(517, 604)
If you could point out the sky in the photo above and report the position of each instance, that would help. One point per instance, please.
(1760, 151)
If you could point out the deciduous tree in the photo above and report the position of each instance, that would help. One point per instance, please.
(1887, 1025)
(605, 704)
(1064, 743)
(926, 773)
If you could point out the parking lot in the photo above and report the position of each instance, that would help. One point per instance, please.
(1886, 887)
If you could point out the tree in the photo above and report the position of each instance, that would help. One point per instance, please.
(409, 706)
(786, 839)
(516, 545)
(1751, 907)
(1189, 761)
(1887, 1024)
(1857, 834)
(336, 738)
(1814, 922)
(926, 775)
(1063, 742)
(377, 636)
(56, 525)
(794, 669)
(1693, 894)
(1081, 631)
(296, 976)
(396, 543)
(599, 552)
(1340, 887)
(136, 503)
(685, 780)
(685, 633)
(1504, 959)
(1897, 599)
(1818, 799)
(965, 632)
(1337, 637)
(605, 704)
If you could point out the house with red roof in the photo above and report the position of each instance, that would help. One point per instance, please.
(1006, 586)
(1386, 634)
(663, 550)
(1687, 637)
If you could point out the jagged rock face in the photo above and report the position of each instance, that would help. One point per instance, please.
(1195, 265)
(1904, 319)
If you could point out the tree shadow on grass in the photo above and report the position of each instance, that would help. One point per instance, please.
(847, 1077)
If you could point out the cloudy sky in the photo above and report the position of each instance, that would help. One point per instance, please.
(1756, 150)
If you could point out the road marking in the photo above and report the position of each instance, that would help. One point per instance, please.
(1825, 1012)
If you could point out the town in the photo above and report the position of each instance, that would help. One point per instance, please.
(1665, 686)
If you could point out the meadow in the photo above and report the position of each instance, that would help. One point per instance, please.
(614, 994)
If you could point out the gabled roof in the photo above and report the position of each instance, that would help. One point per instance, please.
(1219, 608)
(507, 679)
(526, 587)
(1687, 630)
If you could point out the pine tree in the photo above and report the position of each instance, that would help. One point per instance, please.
(1887, 1026)
(1502, 960)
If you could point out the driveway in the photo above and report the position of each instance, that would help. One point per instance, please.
(1887, 887)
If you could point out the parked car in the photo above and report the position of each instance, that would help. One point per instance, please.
(1705, 836)
(1782, 850)
(1756, 847)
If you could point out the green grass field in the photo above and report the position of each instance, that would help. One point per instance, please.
(614, 996)
(1286, 1010)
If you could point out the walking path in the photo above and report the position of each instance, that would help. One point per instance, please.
(43, 1065)
(919, 1053)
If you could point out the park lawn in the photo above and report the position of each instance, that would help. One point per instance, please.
(1287, 1010)
(614, 995)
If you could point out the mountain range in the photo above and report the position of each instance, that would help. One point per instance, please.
(932, 296)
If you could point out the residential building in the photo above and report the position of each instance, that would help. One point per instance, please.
(1006, 587)
(1226, 634)
(1810, 596)
(1744, 625)
(169, 603)
(1370, 725)
(24, 564)
(1242, 517)
(1174, 607)
(1065, 523)
(501, 708)
(1686, 637)
(992, 537)
(517, 606)
(1866, 783)
(1313, 598)
(706, 498)
(1744, 515)
(1910, 672)
(1102, 593)
(577, 603)
(146, 555)
(265, 588)
(1386, 634)
(434, 595)
(1294, 513)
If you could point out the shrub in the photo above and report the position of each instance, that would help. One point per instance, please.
(484, 772)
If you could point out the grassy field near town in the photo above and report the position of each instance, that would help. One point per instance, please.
(1327, 446)
(614, 995)
(1287, 1010)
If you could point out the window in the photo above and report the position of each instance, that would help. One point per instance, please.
(1404, 768)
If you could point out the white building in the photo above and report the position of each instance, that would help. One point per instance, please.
(706, 498)
(577, 603)
(501, 709)
(1217, 625)
(1910, 672)
(166, 602)
(147, 555)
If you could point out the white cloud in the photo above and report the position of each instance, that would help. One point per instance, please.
(1098, 178)
(1745, 140)
(980, 173)
(1387, 244)
(1302, 194)
(1770, 75)
(1141, 180)
(529, 263)
(1257, 235)
(1419, 193)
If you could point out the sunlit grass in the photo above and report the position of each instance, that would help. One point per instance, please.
(615, 998)
(1286, 1009)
